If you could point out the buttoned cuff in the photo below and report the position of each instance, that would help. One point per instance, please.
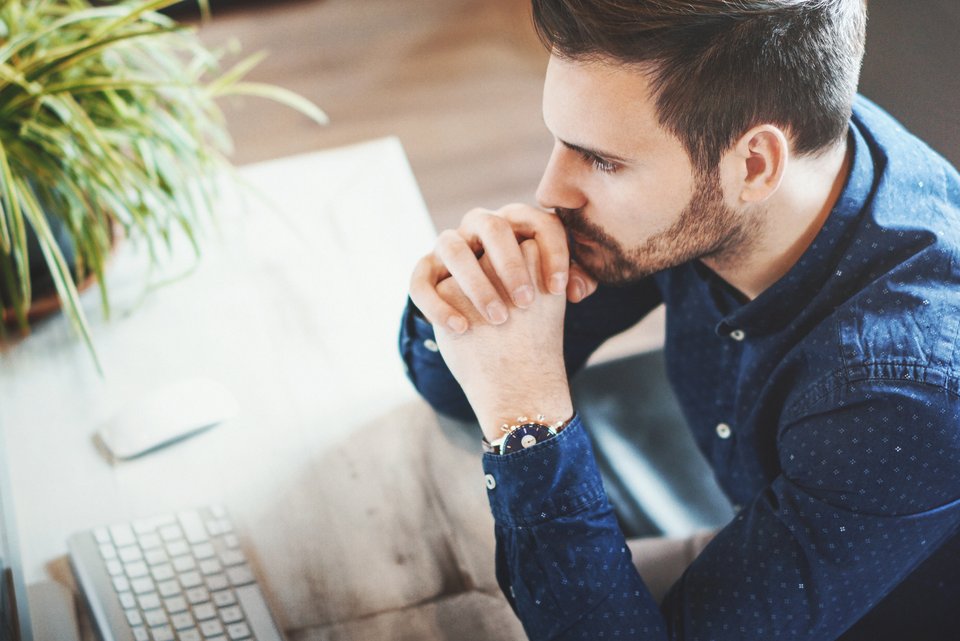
(555, 478)
(425, 367)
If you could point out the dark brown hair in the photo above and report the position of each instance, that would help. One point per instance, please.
(720, 67)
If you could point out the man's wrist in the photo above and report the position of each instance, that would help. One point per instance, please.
(495, 425)
(524, 433)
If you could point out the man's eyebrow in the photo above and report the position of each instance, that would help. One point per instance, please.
(594, 152)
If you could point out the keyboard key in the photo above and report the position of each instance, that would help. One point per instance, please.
(218, 582)
(142, 585)
(204, 551)
(224, 597)
(231, 614)
(210, 628)
(121, 583)
(232, 557)
(130, 553)
(213, 527)
(175, 604)
(149, 601)
(197, 595)
(184, 563)
(189, 635)
(163, 572)
(193, 528)
(114, 568)
(133, 617)
(176, 548)
(218, 637)
(156, 617)
(218, 511)
(102, 535)
(144, 526)
(171, 533)
(231, 541)
(256, 610)
(224, 525)
(182, 621)
(169, 588)
(240, 575)
(155, 556)
(140, 633)
(210, 566)
(127, 600)
(163, 633)
(191, 579)
(204, 611)
(150, 541)
(238, 631)
(107, 551)
(137, 569)
(122, 535)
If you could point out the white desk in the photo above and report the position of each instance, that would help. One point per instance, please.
(367, 519)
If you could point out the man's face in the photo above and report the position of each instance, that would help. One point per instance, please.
(623, 186)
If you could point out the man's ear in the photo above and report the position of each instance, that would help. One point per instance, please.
(759, 161)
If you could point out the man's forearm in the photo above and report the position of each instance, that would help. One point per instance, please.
(426, 369)
(562, 560)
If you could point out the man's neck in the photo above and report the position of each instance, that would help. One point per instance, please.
(790, 221)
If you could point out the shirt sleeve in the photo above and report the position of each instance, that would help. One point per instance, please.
(869, 488)
(609, 311)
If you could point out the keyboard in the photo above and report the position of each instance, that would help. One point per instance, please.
(180, 577)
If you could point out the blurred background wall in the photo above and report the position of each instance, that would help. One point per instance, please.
(459, 81)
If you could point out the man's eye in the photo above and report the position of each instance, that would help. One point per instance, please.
(599, 163)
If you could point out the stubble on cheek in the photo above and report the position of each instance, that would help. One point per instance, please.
(705, 227)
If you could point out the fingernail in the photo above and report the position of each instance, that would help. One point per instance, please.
(496, 313)
(579, 289)
(523, 295)
(558, 283)
(457, 324)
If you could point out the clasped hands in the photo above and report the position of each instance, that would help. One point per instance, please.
(495, 290)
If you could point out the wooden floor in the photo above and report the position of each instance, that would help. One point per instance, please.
(459, 81)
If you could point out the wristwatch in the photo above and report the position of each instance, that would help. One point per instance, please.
(525, 433)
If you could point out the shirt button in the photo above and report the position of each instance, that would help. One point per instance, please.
(737, 335)
(431, 345)
(491, 482)
(723, 431)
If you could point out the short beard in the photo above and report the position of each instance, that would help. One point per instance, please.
(706, 228)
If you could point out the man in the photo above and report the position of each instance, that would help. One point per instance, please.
(713, 156)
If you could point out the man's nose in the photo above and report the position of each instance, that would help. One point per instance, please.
(558, 185)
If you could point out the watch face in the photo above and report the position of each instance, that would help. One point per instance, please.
(527, 435)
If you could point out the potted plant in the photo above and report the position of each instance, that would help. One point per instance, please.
(109, 128)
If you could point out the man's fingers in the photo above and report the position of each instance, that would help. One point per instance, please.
(458, 258)
(531, 256)
(483, 229)
(427, 273)
(551, 237)
(581, 285)
(499, 243)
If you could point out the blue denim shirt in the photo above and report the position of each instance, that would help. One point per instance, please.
(838, 391)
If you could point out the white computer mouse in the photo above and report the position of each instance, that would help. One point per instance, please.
(167, 415)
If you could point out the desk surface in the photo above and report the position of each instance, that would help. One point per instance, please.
(366, 517)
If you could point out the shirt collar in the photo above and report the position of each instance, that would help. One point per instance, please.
(776, 306)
